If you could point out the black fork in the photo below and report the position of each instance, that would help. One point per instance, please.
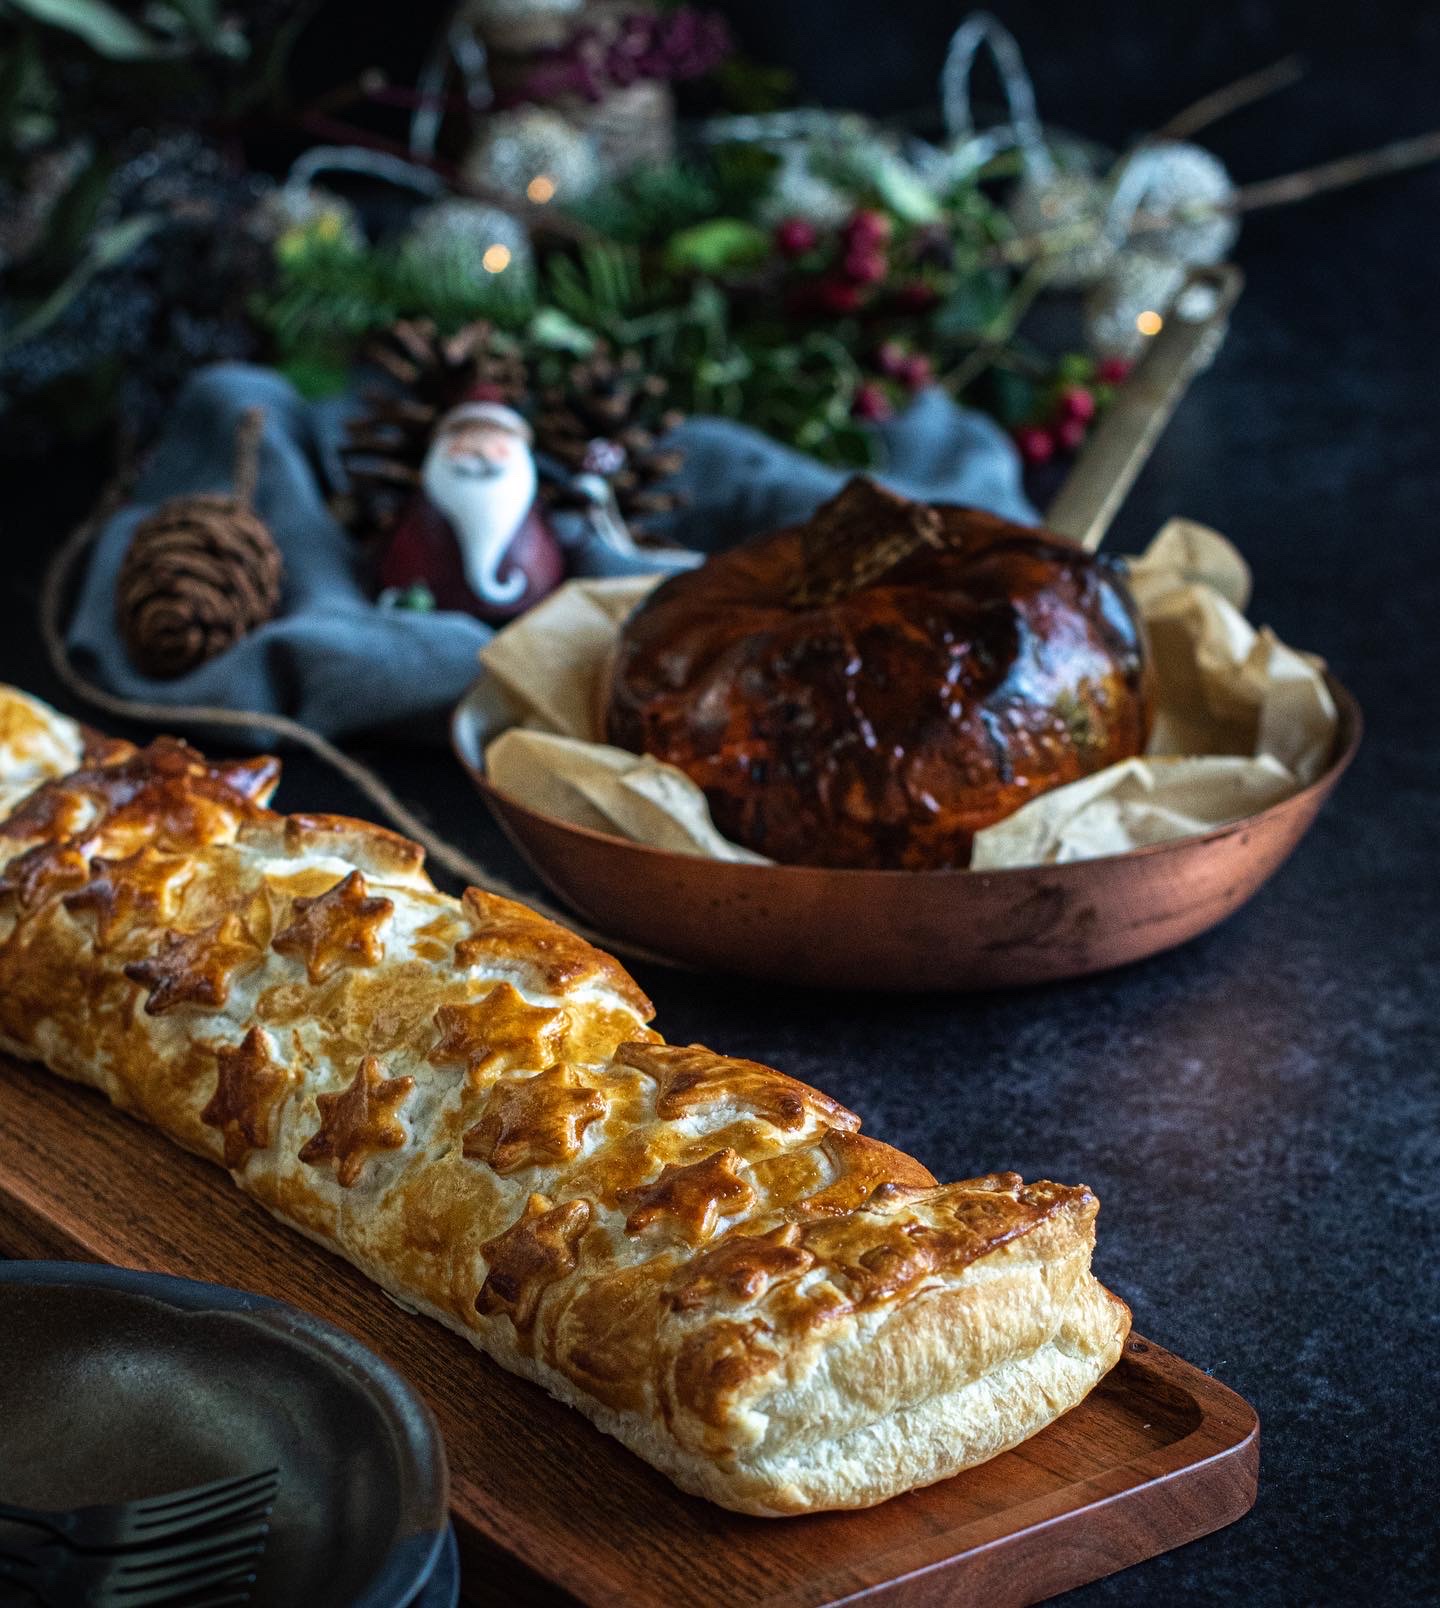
(152, 1520)
(201, 1572)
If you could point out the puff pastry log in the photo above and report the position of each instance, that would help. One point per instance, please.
(704, 1256)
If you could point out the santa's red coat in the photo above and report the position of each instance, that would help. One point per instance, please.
(423, 549)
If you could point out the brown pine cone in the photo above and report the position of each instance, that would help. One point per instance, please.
(606, 419)
(200, 573)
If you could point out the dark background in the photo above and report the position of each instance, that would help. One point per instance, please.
(1259, 1110)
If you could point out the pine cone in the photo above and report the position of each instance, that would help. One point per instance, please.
(606, 419)
(431, 373)
(199, 574)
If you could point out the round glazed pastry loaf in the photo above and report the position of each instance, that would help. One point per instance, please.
(704, 1256)
(875, 687)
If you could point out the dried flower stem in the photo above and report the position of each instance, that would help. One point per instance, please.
(1221, 102)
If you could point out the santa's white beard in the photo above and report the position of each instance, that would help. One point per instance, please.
(486, 505)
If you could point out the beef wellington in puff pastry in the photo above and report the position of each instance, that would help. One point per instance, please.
(704, 1256)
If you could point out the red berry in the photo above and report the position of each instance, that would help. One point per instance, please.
(864, 266)
(1075, 402)
(1036, 443)
(891, 358)
(838, 296)
(868, 228)
(916, 297)
(1113, 370)
(917, 373)
(870, 403)
(1070, 434)
(794, 237)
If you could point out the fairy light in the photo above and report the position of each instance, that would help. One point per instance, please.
(541, 189)
(496, 259)
(1149, 322)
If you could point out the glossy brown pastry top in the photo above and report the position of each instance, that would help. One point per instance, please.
(874, 687)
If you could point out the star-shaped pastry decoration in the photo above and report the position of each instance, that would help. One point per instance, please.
(542, 1246)
(42, 870)
(136, 889)
(561, 960)
(742, 1267)
(340, 928)
(359, 1122)
(865, 1170)
(250, 1085)
(692, 1196)
(195, 968)
(533, 1122)
(496, 1032)
(691, 1077)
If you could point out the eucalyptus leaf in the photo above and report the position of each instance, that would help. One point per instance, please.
(558, 332)
(713, 247)
(902, 190)
(101, 26)
(108, 247)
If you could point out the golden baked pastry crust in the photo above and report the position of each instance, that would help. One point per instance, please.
(702, 1254)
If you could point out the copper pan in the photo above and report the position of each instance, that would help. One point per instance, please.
(912, 930)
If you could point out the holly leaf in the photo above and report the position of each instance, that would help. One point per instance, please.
(977, 300)
(1014, 396)
(714, 247)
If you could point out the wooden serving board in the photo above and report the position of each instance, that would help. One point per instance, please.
(547, 1509)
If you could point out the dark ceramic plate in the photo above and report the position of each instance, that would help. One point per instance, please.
(116, 1384)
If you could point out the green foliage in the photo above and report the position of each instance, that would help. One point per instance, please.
(680, 271)
(716, 247)
(650, 204)
(330, 294)
(92, 71)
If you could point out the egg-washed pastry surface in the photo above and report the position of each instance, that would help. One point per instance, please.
(703, 1255)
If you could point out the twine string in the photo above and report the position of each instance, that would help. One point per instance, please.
(247, 455)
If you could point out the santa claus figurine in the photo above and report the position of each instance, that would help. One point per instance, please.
(474, 535)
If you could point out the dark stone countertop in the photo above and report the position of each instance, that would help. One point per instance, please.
(1259, 1111)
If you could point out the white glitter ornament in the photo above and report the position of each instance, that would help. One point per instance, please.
(1072, 209)
(1131, 302)
(1186, 186)
(460, 239)
(534, 153)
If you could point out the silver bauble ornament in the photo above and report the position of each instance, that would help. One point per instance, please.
(1071, 209)
(465, 239)
(534, 153)
(1130, 303)
(1178, 195)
